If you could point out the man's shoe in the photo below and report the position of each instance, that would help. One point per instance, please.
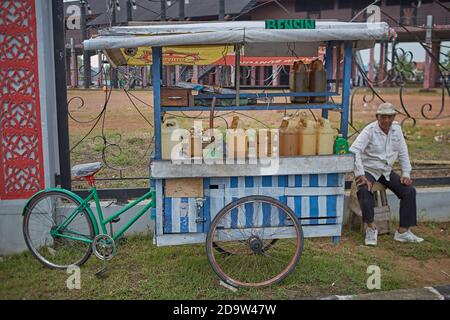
(371, 237)
(407, 236)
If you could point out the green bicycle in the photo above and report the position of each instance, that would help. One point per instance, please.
(60, 228)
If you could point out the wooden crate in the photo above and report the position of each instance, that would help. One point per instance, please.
(381, 208)
(176, 97)
(184, 187)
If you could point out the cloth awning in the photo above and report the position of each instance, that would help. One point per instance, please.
(214, 38)
(235, 32)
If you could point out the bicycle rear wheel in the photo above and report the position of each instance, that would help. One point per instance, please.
(43, 215)
(245, 230)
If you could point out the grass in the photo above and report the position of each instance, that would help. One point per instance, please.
(127, 152)
(142, 271)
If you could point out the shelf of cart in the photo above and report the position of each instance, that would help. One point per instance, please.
(267, 95)
(163, 169)
(260, 106)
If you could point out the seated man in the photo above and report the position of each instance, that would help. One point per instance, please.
(376, 149)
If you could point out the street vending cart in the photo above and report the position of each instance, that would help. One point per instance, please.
(252, 217)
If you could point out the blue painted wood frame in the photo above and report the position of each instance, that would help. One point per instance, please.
(156, 72)
(329, 69)
(346, 87)
(255, 107)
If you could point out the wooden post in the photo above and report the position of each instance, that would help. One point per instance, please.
(144, 77)
(194, 74)
(261, 75)
(275, 76)
(177, 71)
(427, 71)
(100, 66)
(371, 65)
(217, 75)
(73, 64)
(381, 64)
(252, 76)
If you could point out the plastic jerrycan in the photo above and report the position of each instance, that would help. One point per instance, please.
(325, 137)
(317, 81)
(299, 81)
(307, 137)
(196, 147)
(168, 127)
(288, 140)
(240, 141)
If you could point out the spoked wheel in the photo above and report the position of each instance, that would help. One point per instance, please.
(218, 248)
(45, 237)
(245, 230)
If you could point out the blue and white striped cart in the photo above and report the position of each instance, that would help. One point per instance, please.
(253, 223)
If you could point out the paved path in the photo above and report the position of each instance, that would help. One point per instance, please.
(426, 293)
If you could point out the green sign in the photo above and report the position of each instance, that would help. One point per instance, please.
(290, 24)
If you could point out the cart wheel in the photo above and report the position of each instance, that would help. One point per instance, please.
(222, 250)
(239, 238)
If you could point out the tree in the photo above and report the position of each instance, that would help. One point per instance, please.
(445, 68)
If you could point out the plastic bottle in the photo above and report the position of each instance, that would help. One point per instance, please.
(307, 140)
(288, 140)
(196, 146)
(264, 140)
(317, 81)
(340, 145)
(168, 127)
(240, 141)
(325, 137)
(299, 81)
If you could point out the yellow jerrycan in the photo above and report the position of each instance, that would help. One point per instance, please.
(325, 137)
(307, 140)
(299, 81)
(288, 140)
(237, 149)
(317, 81)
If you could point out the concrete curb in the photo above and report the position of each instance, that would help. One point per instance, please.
(426, 293)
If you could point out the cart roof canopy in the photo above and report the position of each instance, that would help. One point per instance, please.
(223, 34)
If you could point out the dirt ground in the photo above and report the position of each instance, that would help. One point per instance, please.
(420, 268)
(122, 115)
(128, 129)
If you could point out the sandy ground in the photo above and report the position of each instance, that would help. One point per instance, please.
(122, 115)
(124, 118)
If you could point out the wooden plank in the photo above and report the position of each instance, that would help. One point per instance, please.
(198, 238)
(184, 187)
(314, 191)
(159, 207)
(278, 166)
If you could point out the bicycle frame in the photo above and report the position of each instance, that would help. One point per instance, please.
(84, 205)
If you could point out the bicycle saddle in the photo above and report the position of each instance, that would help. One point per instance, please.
(85, 170)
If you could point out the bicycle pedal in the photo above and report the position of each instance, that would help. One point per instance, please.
(101, 272)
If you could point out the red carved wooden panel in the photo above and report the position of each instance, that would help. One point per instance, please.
(21, 160)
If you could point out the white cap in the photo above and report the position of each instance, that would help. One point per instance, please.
(386, 108)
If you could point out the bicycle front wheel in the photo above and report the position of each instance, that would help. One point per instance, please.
(245, 230)
(57, 230)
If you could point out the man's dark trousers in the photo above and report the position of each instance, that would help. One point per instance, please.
(406, 194)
